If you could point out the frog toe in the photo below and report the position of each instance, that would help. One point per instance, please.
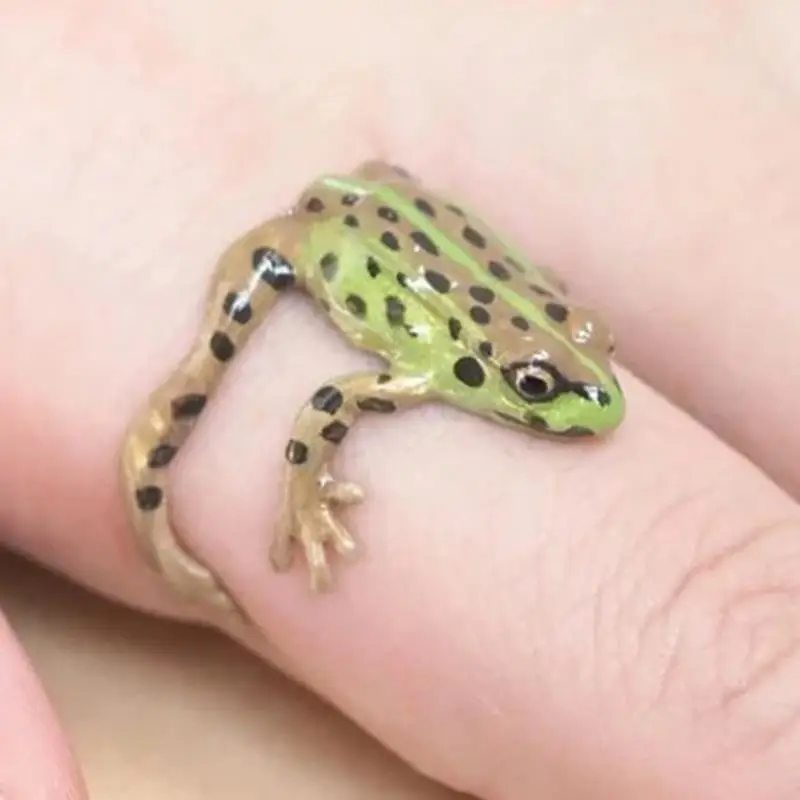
(315, 529)
(320, 530)
(281, 552)
(343, 494)
(321, 576)
(339, 537)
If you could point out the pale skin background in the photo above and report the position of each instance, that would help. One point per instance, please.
(616, 621)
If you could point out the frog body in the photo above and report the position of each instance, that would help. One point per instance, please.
(435, 292)
(458, 315)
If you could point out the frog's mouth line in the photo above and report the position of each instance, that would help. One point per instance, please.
(537, 423)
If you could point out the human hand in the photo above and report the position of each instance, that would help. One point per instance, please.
(604, 621)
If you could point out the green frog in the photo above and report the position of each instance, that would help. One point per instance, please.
(458, 315)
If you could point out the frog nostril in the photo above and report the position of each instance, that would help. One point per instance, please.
(594, 393)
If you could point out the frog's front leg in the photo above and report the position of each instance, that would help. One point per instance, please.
(250, 276)
(311, 491)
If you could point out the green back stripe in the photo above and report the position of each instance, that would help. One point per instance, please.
(462, 257)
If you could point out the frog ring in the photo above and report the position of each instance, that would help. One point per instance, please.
(458, 315)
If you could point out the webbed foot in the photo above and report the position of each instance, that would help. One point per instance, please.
(309, 520)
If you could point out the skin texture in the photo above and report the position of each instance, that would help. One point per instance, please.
(615, 624)
(402, 274)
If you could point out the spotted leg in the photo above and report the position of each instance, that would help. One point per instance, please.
(311, 491)
(248, 279)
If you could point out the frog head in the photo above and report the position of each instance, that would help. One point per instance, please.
(542, 395)
(563, 386)
(554, 385)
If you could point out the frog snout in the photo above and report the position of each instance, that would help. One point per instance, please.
(603, 406)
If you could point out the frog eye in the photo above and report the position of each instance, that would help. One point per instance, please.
(532, 382)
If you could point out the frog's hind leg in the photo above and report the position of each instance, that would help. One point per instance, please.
(311, 492)
(249, 277)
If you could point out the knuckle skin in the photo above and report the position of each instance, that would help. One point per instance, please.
(718, 635)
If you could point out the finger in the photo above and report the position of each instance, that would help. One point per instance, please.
(648, 581)
(35, 763)
(576, 586)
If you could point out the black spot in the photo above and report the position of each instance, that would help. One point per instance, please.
(455, 328)
(455, 209)
(328, 399)
(188, 406)
(603, 397)
(296, 452)
(349, 199)
(222, 346)
(384, 377)
(536, 422)
(425, 242)
(329, 263)
(356, 305)
(395, 310)
(238, 308)
(425, 207)
(334, 432)
(475, 238)
(480, 315)
(486, 349)
(273, 268)
(388, 239)
(161, 455)
(575, 432)
(373, 267)
(441, 283)
(411, 331)
(533, 421)
(556, 312)
(315, 205)
(377, 404)
(149, 498)
(540, 290)
(469, 371)
(482, 294)
(520, 323)
(389, 214)
(351, 220)
(515, 264)
(499, 271)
